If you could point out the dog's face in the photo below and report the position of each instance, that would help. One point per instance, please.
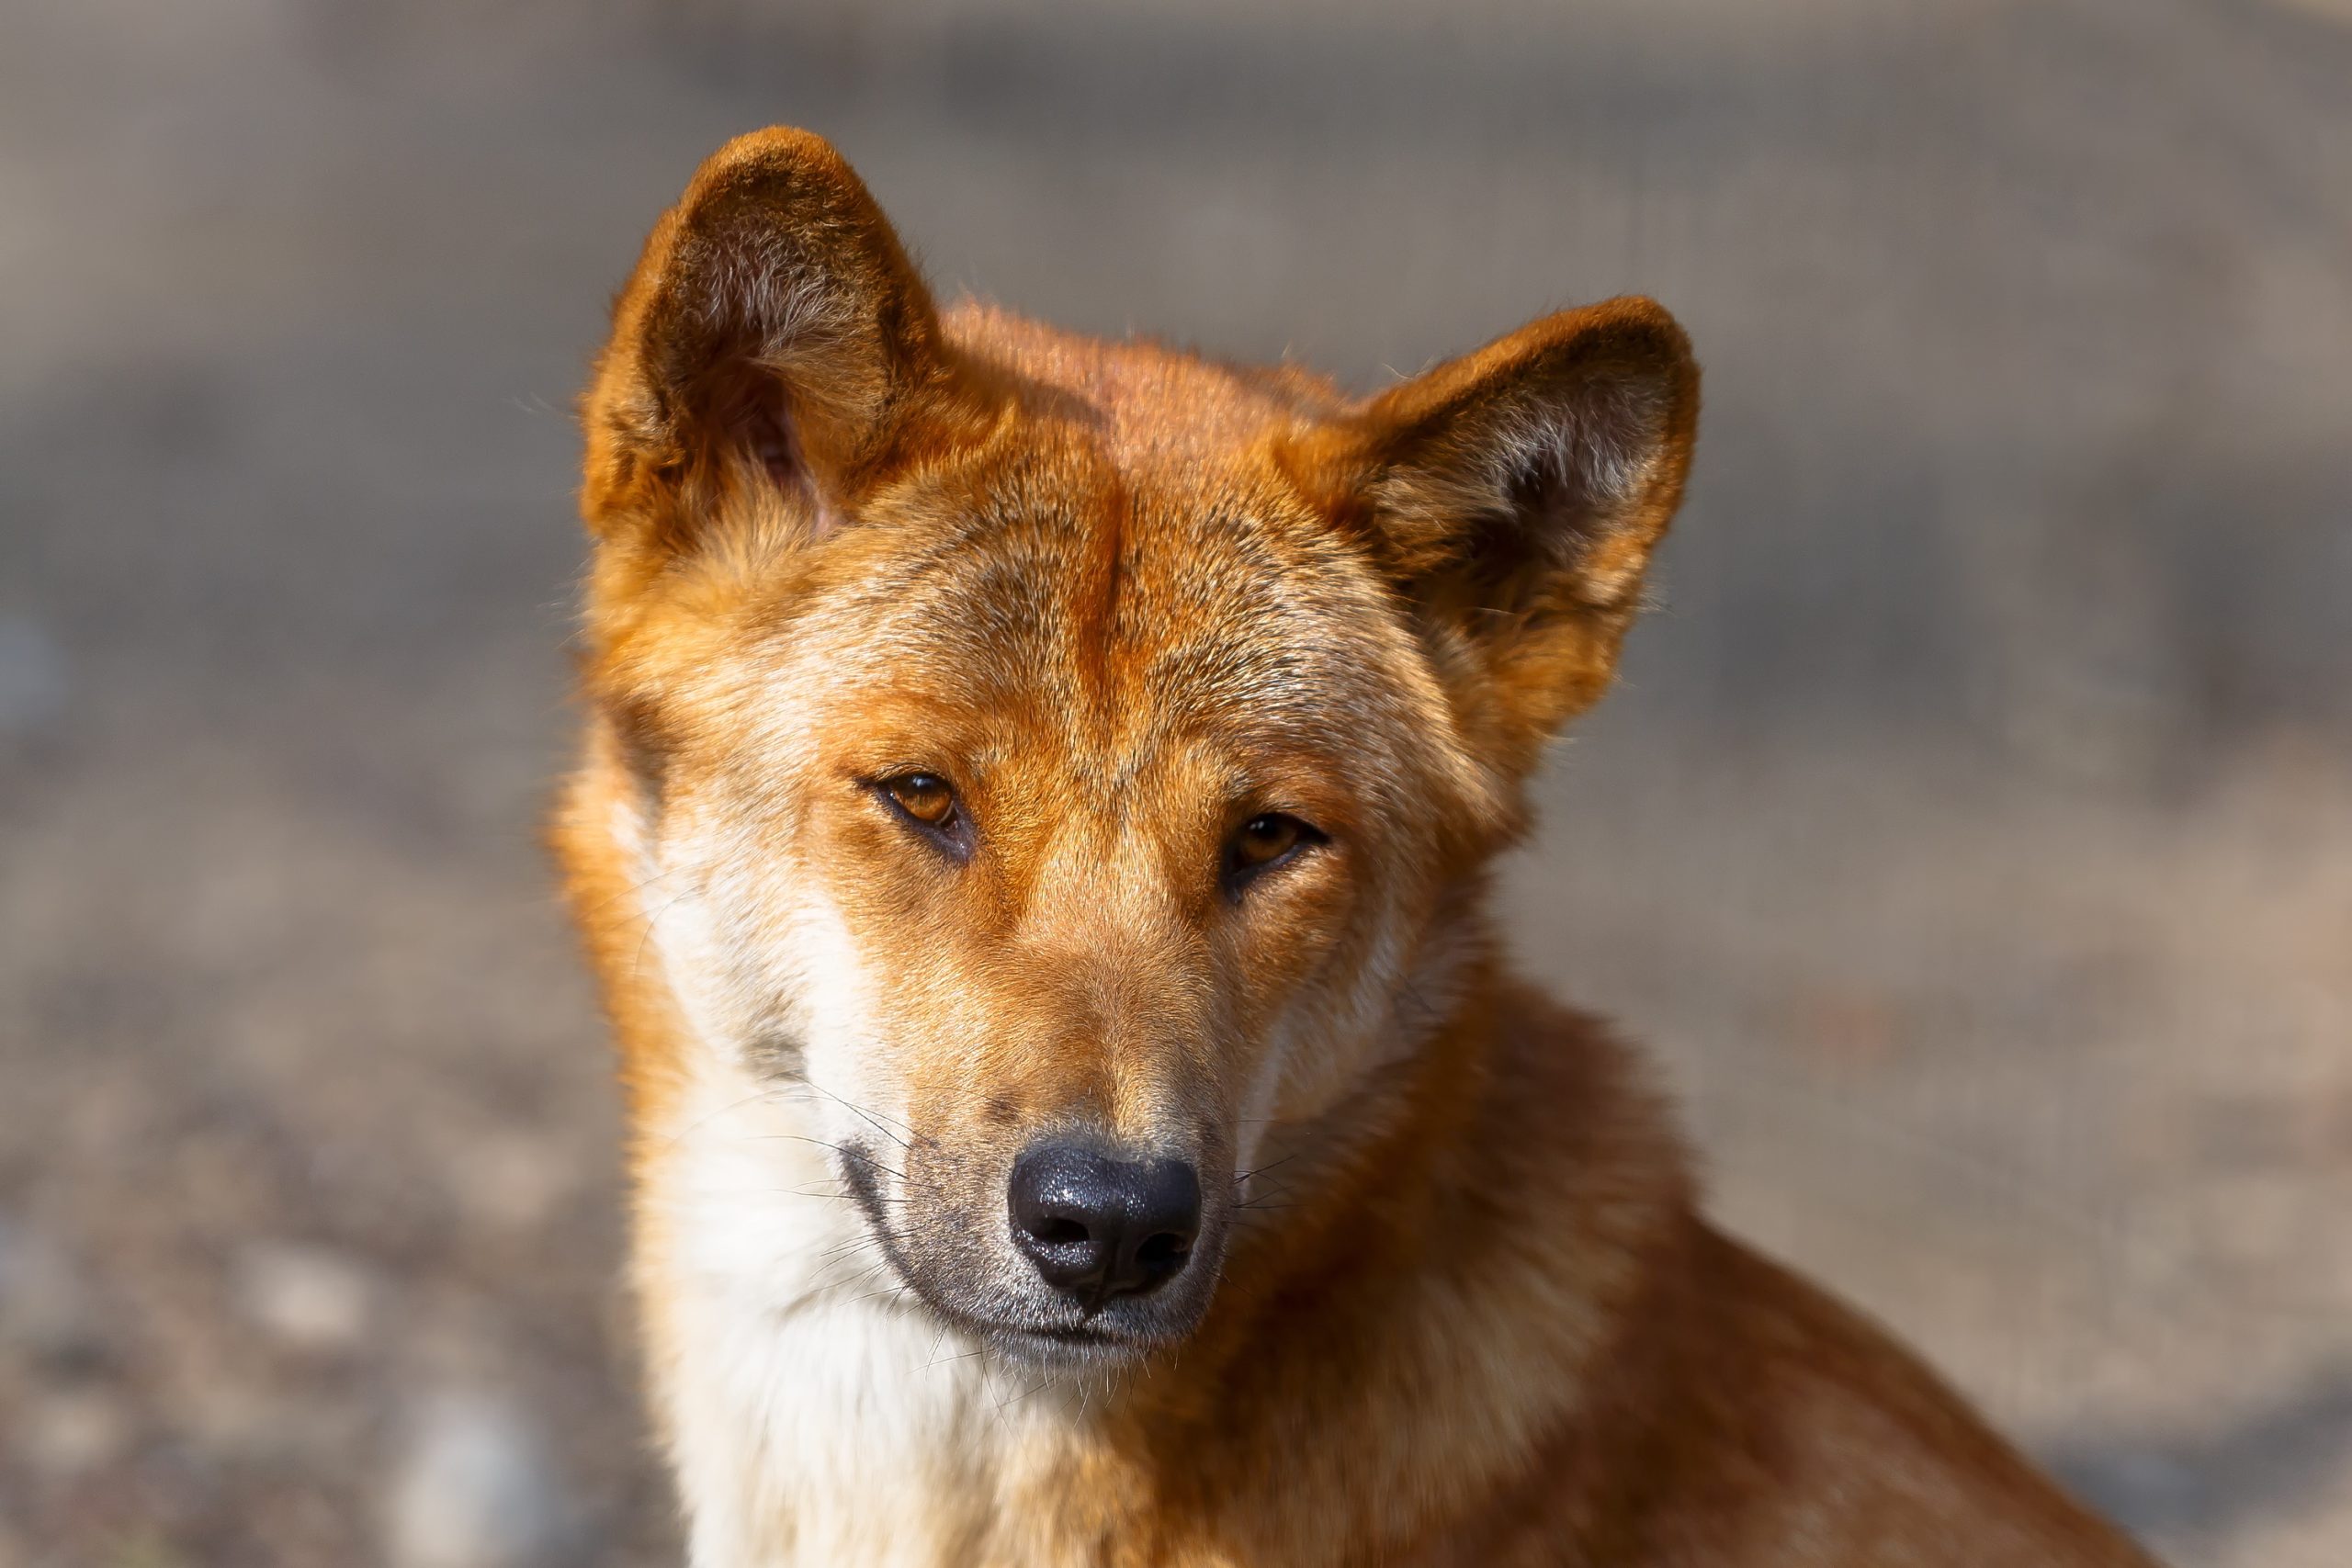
(1049, 759)
(1051, 830)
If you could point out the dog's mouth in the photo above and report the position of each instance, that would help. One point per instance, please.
(1058, 1348)
(989, 1295)
(1048, 1349)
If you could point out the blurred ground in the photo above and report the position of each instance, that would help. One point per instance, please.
(1973, 835)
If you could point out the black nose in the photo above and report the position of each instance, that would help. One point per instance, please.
(1101, 1227)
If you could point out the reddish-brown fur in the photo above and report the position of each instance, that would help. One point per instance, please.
(1467, 1313)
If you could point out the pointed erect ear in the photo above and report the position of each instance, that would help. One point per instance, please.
(773, 341)
(1515, 494)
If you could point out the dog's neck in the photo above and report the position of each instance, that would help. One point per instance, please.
(1378, 1277)
(1452, 1267)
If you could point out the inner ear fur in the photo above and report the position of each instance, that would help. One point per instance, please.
(1515, 494)
(773, 334)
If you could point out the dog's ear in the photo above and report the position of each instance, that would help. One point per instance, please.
(774, 343)
(1514, 495)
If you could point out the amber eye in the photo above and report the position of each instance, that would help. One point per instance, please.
(1263, 842)
(927, 803)
(926, 797)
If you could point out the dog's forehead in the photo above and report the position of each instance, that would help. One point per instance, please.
(1077, 627)
(1128, 541)
(1207, 603)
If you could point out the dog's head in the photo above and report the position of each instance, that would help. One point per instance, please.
(1057, 756)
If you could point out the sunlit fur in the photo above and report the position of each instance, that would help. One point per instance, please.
(1451, 1303)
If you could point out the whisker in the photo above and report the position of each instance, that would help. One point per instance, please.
(847, 1151)
(1262, 1170)
(679, 1138)
(875, 1117)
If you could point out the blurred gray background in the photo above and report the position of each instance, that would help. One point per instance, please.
(1972, 835)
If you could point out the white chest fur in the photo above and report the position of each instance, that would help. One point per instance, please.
(817, 1414)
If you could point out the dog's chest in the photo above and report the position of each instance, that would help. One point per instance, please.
(817, 1416)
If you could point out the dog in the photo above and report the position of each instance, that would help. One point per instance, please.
(1033, 840)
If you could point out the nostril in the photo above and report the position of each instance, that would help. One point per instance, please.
(1103, 1227)
(1164, 1253)
(1061, 1209)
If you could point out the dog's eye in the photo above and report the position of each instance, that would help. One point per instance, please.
(1266, 840)
(927, 803)
(926, 797)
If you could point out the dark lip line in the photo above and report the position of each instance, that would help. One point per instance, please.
(857, 1171)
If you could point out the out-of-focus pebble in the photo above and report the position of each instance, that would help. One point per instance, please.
(309, 1297)
(513, 1180)
(75, 1430)
(475, 1488)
